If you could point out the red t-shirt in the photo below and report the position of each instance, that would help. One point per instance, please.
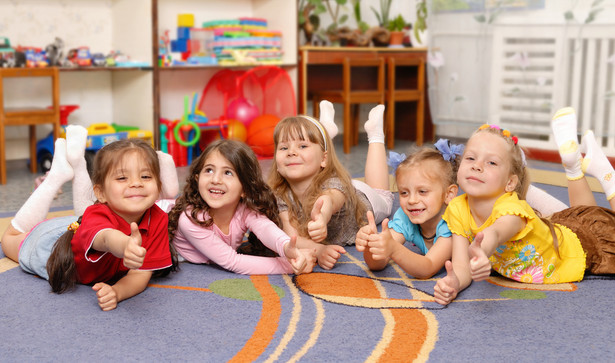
(96, 266)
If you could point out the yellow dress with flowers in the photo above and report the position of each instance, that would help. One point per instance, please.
(530, 255)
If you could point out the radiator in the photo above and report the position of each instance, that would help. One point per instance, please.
(538, 69)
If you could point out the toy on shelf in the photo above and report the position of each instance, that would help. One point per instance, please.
(7, 54)
(99, 135)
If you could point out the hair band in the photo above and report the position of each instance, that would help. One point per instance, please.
(504, 132)
(73, 227)
(320, 128)
(448, 151)
(395, 159)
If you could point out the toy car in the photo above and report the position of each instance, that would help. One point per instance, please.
(99, 60)
(80, 57)
(99, 135)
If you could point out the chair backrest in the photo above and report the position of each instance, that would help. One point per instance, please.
(51, 72)
(406, 74)
(366, 74)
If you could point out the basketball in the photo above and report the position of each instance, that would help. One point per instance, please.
(260, 135)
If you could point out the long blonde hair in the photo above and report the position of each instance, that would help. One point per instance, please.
(304, 129)
(518, 167)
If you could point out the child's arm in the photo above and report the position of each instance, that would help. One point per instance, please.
(390, 245)
(122, 246)
(458, 272)
(502, 230)
(128, 286)
(327, 255)
(331, 201)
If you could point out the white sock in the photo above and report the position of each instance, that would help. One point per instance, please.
(168, 176)
(597, 164)
(35, 209)
(564, 125)
(83, 194)
(543, 202)
(327, 118)
(374, 126)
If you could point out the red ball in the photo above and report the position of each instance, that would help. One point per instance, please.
(260, 135)
(243, 110)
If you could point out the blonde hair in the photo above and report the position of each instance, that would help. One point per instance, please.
(518, 165)
(445, 171)
(304, 129)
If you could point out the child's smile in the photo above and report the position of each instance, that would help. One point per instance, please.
(421, 198)
(219, 184)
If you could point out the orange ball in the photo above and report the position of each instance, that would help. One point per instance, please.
(236, 130)
(260, 135)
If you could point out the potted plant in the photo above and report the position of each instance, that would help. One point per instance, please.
(419, 31)
(396, 27)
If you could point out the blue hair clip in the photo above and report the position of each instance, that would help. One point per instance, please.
(449, 152)
(395, 159)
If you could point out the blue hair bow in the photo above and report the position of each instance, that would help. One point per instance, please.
(449, 152)
(395, 159)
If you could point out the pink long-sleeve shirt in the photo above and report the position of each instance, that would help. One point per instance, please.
(199, 244)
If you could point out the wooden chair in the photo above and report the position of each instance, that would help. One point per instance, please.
(399, 88)
(28, 116)
(362, 82)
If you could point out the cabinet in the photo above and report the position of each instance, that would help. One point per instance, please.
(129, 96)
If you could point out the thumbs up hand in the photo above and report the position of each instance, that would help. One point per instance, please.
(134, 254)
(319, 218)
(480, 267)
(382, 245)
(365, 231)
(447, 288)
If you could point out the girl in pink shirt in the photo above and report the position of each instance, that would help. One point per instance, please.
(224, 197)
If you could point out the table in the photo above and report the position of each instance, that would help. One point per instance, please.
(321, 68)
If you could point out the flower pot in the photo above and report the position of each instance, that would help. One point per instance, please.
(396, 39)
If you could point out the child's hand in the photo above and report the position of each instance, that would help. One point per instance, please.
(382, 245)
(320, 216)
(134, 254)
(446, 288)
(364, 232)
(297, 259)
(106, 295)
(480, 267)
(328, 255)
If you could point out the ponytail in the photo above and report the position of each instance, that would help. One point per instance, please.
(61, 266)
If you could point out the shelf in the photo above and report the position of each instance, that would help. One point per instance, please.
(134, 96)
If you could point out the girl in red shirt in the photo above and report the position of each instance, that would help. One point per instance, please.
(119, 241)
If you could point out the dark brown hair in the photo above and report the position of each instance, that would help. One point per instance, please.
(61, 263)
(257, 195)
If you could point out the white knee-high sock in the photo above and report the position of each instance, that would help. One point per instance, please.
(374, 126)
(597, 164)
(564, 125)
(543, 202)
(168, 176)
(83, 194)
(35, 209)
(327, 118)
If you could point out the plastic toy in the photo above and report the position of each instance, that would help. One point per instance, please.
(7, 54)
(235, 130)
(99, 135)
(260, 135)
(242, 110)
